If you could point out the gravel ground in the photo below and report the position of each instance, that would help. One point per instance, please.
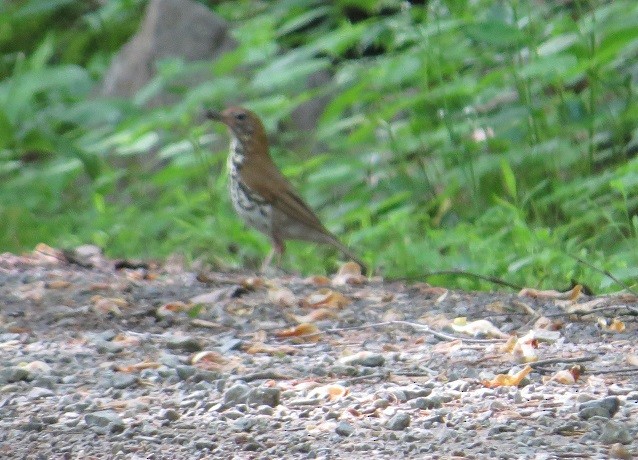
(105, 359)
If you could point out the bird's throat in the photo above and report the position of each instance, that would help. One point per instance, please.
(236, 155)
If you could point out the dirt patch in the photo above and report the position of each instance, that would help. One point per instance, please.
(118, 360)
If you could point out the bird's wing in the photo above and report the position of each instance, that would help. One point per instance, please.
(283, 195)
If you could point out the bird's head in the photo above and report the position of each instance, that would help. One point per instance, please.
(243, 124)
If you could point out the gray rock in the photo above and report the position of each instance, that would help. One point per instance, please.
(184, 343)
(170, 29)
(605, 407)
(207, 376)
(431, 402)
(105, 421)
(399, 422)
(364, 359)
(264, 397)
(13, 374)
(170, 414)
(185, 372)
(344, 429)
(121, 381)
(615, 432)
(105, 347)
(38, 392)
(170, 360)
(237, 394)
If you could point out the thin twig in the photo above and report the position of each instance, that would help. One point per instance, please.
(622, 370)
(420, 327)
(489, 279)
(443, 335)
(607, 273)
(545, 362)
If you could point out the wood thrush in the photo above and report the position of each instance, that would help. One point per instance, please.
(261, 195)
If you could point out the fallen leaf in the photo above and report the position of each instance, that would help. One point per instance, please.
(614, 326)
(315, 315)
(566, 376)
(260, 347)
(105, 305)
(480, 326)
(584, 307)
(57, 284)
(349, 273)
(252, 283)
(208, 356)
(127, 340)
(282, 296)
(325, 298)
(332, 392)
(213, 297)
(305, 332)
(171, 309)
(205, 323)
(548, 324)
(502, 380)
(572, 294)
(48, 254)
(317, 280)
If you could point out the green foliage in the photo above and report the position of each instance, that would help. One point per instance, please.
(493, 137)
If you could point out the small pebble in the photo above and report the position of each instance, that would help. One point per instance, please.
(398, 422)
(605, 407)
(344, 429)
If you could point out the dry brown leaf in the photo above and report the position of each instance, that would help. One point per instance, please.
(260, 347)
(317, 280)
(48, 254)
(172, 308)
(127, 340)
(572, 294)
(305, 332)
(565, 376)
(105, 305)
(480, 326)
(253, 283)
(349, 273)
(282, 296)
(325, 298)
(315, 315)
(549, 324)
(208, 357)
(212, 297)
(502, 380)
(138, 366)
(508, 347)
(331, 392)
(205, 323)
(615, 325)
(58, 284)
(584, 307)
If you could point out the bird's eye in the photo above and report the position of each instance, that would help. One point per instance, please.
(240, 116)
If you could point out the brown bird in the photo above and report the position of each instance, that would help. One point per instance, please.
(261, 195)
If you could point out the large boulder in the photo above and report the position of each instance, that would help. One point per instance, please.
(181, 29)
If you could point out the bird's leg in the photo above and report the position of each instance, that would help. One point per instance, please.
(278, 248)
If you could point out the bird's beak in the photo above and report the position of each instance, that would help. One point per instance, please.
(214, 115)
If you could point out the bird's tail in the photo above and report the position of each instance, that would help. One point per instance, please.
(346, 251)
